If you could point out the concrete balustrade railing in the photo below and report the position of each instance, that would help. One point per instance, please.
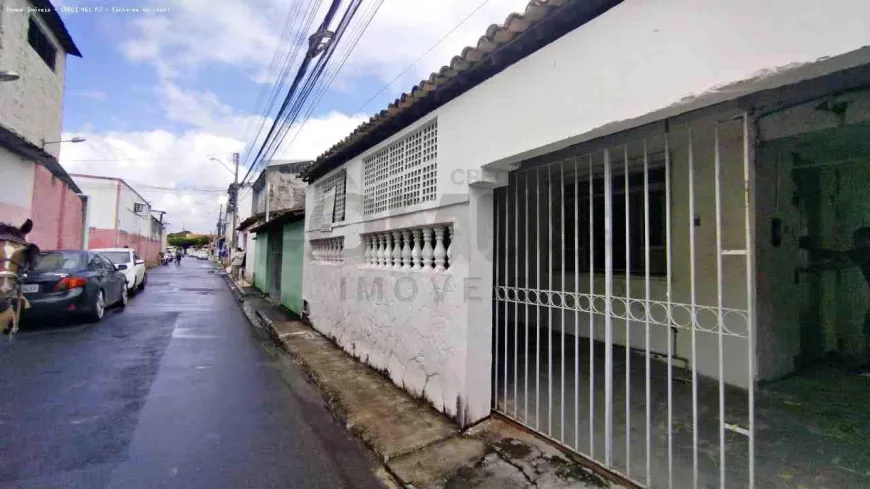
(423, 248)
(328, 250)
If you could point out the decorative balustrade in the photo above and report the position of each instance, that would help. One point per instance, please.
(328, 250)
(425, 248)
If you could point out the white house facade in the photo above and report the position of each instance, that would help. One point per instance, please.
(589, 223)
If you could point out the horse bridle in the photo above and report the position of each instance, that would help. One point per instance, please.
(20, 270)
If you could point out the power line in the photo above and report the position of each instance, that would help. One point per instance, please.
(313, 50)
(289, 60)
(358, 33)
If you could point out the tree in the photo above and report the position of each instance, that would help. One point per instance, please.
(185, 239)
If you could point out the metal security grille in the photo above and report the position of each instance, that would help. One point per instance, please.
(335, 181)
(402, 173)
(623, 304)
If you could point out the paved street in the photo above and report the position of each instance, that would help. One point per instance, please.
(175, 391)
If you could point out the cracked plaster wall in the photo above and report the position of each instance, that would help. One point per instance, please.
(411, 325)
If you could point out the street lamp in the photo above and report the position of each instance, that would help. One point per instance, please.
(6, 75)
(222, 164)
(77, 139)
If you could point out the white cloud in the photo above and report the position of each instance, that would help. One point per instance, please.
(93, 94)
(159, 158)
(196, 33)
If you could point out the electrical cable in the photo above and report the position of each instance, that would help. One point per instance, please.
(300, 75)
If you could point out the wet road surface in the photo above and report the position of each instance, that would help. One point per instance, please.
(175, 391)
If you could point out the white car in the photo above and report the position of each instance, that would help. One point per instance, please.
(130, 263)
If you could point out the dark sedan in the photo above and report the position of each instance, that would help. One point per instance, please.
(73, 283)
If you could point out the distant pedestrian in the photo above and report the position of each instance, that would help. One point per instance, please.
(236, 263)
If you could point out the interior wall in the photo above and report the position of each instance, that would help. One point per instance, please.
(804, 315)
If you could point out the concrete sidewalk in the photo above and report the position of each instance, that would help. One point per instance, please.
(419, 447)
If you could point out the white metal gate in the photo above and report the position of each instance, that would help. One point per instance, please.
(623, 303)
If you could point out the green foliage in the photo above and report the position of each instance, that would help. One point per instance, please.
(185, 239)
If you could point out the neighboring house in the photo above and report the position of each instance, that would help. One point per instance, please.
(271, 232)
(279, 187)
(119, 217)
(33, 184)
(588, 222)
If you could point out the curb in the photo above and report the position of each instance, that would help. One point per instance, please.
(262, 322)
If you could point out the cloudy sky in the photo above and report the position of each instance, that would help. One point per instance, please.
(157, 95)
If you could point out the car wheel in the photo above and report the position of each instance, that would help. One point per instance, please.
(144, 281)
(98, 308)
(125, 297)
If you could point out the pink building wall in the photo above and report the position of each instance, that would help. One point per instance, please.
(56, 212)
(146, 247)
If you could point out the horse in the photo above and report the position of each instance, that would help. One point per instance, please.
(16, 257)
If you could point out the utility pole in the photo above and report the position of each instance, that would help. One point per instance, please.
(235, 200)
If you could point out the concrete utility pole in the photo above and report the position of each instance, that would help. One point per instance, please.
(235, 199)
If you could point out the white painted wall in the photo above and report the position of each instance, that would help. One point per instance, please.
(128, 220)
(638, 57)
(111, 203)
(419, 330)
(33, 105)
(102, 200)
(16, 187)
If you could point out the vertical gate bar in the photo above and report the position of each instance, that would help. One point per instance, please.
(497, 300)
(538, 301)
(750, 291)
(591, 307)
(693, 315)
(549, 302)
(506, 303)
(627, 322)
(562, 301)
(608, 310)
(717, 169)
(646, 306)
(516, 292)
(669, 314)
(526, 307)
(577, 309)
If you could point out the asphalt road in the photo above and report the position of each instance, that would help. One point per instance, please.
(175, 391)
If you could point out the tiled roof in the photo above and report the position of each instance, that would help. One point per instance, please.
(551, 18)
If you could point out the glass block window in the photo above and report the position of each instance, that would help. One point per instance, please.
(322, 188)
(403, 173)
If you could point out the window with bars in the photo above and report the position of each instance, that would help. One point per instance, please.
(636, 233)
(331, 188)
(403, 173)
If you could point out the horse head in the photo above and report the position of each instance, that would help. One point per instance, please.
(16, 256)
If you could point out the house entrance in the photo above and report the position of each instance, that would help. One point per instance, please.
(623, 303)
(274, 261)
(813, 352)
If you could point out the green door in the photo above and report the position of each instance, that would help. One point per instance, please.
(291, 264)
(260, 276)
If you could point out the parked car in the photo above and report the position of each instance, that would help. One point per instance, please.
(135, 270)
(73, 283)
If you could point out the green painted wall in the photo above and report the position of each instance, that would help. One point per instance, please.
(291, 266)
(260, 274)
